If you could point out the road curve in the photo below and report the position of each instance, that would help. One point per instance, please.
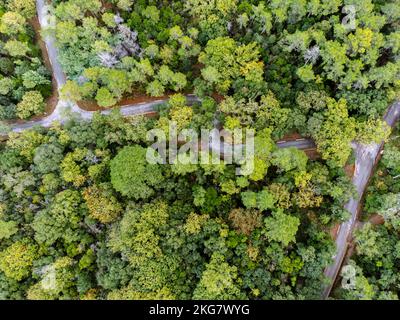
(366, 158)
(46, 20)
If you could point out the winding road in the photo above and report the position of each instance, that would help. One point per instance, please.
(46, 20)
(366, 156)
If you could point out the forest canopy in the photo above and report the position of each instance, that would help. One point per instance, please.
(329, 69)
(85, 215)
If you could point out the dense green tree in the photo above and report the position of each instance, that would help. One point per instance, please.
(333, 132)
(12, 23)
(390, 209)
(105, 98)
(281, 227)
(48, 157)
(57, 282)
(102, 204)
(226, 64)
(70, 91)
(32, 103)
(7, 229)
(16, 48)
(219, 281)
(132, 175)
(17, 260)
(289, 159)
(61, 220)
(27, 8)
